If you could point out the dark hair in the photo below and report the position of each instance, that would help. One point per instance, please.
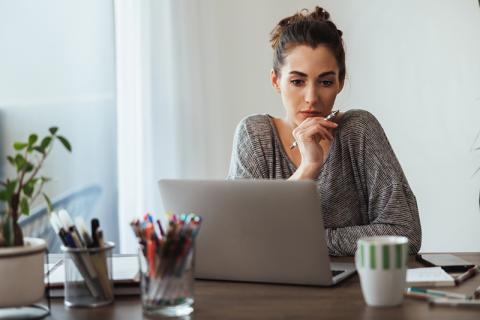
(307, 28)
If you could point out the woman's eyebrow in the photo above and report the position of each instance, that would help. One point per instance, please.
(298, 73)
(301, 74)
(327, 73)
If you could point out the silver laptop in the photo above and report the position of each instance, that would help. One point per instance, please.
(257, 230)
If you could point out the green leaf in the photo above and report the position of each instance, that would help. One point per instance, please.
(45, 143)
(20, 145)
(45, 179)
(49, 203)
(29, 167)
(53, 130)
(32, 139)
(11, 185)
(24, 206)
(65, 143)
(4, 196)
(39, 149)
(29, 188)
(11, 160)
(20, 161)
(7, 193)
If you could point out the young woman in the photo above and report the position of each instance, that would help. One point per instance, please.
(362, 186)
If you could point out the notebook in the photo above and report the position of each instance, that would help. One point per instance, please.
(125, 276)
(429, 277)
(257, 230)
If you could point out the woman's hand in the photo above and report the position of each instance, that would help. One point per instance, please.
(308, 136)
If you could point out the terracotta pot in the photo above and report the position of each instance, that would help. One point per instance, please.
(21, 273)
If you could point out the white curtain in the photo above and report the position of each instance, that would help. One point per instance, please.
(159, 104)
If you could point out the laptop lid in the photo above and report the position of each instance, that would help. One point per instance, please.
(254, 230)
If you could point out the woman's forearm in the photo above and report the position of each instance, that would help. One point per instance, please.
(343, 241)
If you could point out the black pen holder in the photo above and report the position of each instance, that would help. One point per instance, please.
(88, 276)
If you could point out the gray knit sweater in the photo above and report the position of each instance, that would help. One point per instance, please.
(363, 189)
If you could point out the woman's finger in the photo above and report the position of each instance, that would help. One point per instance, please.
(319, 120)
(312, 133)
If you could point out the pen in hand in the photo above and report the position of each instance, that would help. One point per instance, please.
(329, 117)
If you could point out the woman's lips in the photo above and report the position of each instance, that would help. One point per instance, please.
(308, 114)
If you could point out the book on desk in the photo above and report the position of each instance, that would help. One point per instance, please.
(125, 276)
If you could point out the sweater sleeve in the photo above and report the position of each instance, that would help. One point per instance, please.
(247, 160)
(392, 207)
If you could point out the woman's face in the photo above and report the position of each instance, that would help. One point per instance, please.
(308, 83)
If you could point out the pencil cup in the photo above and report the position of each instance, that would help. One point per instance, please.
(382, 266)
(88, 276)
(167, 281)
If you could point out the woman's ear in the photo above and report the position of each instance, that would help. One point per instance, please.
(275, 79)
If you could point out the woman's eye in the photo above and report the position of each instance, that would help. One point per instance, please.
(296, 82)
(326, 83)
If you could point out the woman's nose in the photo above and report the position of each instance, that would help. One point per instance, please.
(311, 96)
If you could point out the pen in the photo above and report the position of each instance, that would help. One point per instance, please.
(329, 117)
(69, 226)
(82, 229)
(94, 223)
(467, 275)
(455, 302)
(476, 293)
(427, 293)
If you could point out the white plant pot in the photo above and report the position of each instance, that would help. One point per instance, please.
(21, 273)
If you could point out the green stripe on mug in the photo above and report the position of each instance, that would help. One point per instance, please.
(372, 257)
(386, 257)
(398, 250)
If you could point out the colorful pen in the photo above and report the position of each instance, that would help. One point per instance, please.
(428, 293)
(328, 118)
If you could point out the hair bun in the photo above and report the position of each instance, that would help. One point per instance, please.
(319, 14)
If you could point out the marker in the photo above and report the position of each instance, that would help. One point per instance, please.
(427, 293)
(149, 231)
(162, 232)
(328, 118)
(467, 275)
(455, 302)
(94, 225)
(82, 228)
(69, 226)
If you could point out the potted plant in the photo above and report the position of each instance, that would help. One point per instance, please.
(22, 259)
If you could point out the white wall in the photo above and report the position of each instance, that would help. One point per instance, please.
(57, 68)
(414, 64)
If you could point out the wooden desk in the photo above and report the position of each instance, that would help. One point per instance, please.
(227, 300)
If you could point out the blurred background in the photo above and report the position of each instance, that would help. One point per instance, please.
(150, 89)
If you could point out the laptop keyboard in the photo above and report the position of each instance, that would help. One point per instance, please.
(337, 272)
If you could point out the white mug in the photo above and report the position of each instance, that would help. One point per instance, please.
(382, 265)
